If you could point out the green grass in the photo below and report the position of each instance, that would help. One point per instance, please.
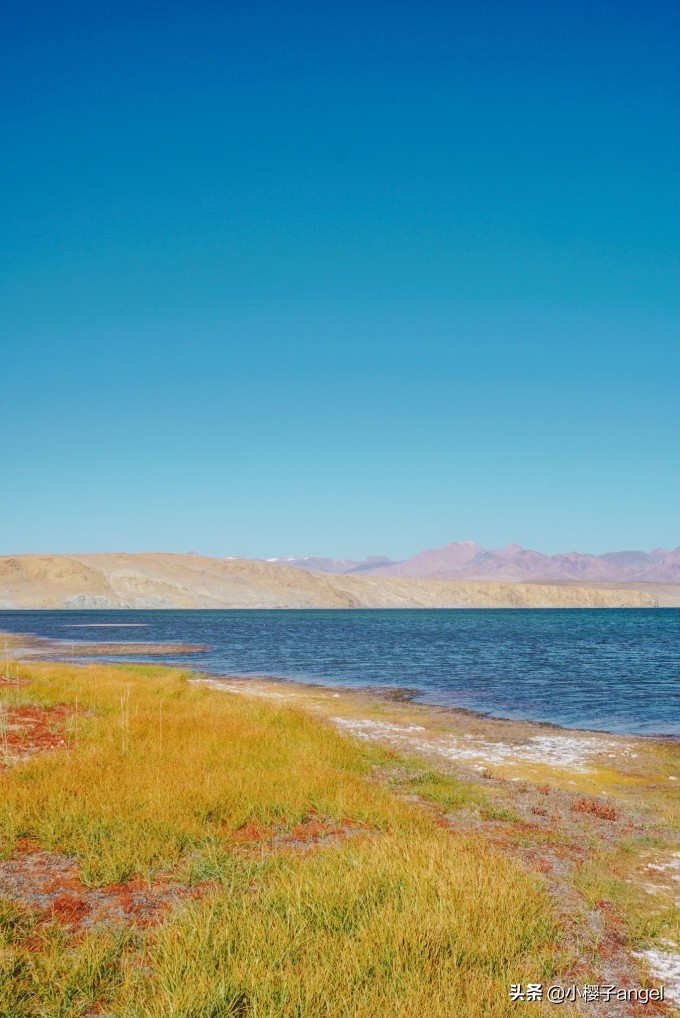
(403, 919)
(441, 789)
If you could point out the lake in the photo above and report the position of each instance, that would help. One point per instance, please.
(614, 670)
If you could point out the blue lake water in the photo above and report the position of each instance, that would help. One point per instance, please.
(613, 670)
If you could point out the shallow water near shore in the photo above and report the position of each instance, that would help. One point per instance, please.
(615, 670)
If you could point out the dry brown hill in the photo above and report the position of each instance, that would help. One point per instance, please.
(158, 580)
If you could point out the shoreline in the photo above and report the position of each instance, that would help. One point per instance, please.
(673, 605)
(127, 652)
(410, 695)
(74, 609)
(464, 739)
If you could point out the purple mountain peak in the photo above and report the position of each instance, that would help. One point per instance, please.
(467, 560)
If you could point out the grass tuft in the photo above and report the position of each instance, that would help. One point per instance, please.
(372, 909)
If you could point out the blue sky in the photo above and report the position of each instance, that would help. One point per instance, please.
(339, 279)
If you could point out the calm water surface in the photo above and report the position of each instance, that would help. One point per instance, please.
(615, 670)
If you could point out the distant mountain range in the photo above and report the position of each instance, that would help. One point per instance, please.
(157, 580)
(466, 560)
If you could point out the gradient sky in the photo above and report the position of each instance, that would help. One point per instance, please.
(339, 278)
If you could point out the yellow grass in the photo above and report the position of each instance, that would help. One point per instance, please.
(401, 920)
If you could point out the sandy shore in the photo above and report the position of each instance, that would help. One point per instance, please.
(21, 645)
(461, 737)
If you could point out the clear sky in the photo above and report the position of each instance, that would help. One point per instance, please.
(339, 278)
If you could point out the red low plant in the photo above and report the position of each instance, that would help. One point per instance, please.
(603, 810)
